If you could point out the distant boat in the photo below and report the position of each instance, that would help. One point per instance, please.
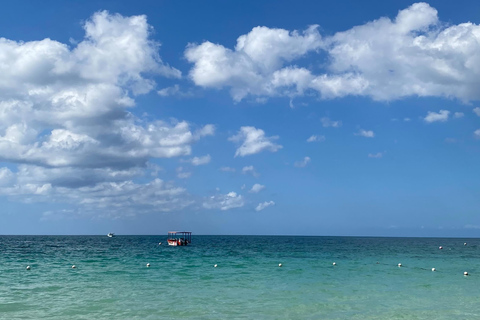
(179, 238)
(111, 235)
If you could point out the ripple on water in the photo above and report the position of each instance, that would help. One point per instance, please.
(111, 279)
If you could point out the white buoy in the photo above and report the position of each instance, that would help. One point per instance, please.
(148, 264)
(433, 269)
(334, 263)
(279, 264)
(215, 266)
(73, 267)
(28, 267)
(159, 243)
(464, 243)
(465, 273)
(440, 247)
(399, 264)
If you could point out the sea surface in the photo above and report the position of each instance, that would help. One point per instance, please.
(111, 279)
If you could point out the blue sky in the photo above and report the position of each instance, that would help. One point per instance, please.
(271, 117)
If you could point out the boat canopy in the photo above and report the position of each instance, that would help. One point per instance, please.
(185, 235)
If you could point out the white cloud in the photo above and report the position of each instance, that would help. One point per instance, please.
(253, 141)
(458, 115)
(224, 201)
(256, 188)
(407, 119)
(169, 91)
(207, 130)
(250, 170)
(227, 169)
(303, 163)
(6, 176)
(375, 155)
(119, 197)
(173, 91)
(476, 133)
(365, 133)
(253, 67)
(326, 122)
(477, 111)
(413, 54)
(264, 205)
(441, 116)
(315, 138)
(198, 161)
(65, 124)
(181, 174)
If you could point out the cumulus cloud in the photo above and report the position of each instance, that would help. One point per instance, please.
(413, 54)
(103, 198)
(6, 176)
(476, 133)
(458, 115)
(365, 133)
(477, 111)
(198, 161)
(224, 202)
(375, 155)
(441, 116)
(327, 122)
(254, 66)
(315, 138)
(253, 141)
(264, 205)
(256, 188)
(250, 170)
(303, 163)
(64, 113)
(182, 174)
(173, 91)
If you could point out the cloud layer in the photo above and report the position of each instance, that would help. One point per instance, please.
(65, 119)
(415, 54)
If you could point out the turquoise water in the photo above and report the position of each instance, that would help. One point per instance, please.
(111, 278)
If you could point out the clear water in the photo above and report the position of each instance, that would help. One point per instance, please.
(112, 281)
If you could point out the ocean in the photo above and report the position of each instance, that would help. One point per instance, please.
(112, 281)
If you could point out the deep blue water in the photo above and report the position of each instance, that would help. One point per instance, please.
(111, 278)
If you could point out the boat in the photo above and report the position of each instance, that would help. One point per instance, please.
(111, 235)
(179, 238)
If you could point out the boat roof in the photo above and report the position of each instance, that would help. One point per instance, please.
(179, 232)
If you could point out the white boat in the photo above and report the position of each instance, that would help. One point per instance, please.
(110, 234)
(179, 238)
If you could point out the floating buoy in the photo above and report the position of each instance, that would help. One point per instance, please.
(279, 264)
(215, 266)
(399, 264)
(28, 267)
(73, 267)
(334, 263)
(148, 264)
(159, 243)
(440, 247)
(464, 243)
(465, 273)
(433, 269)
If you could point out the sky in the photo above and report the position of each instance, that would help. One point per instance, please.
(340, 118)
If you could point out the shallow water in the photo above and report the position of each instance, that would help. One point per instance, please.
(111, 278)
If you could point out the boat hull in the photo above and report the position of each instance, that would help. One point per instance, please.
(176, 243)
